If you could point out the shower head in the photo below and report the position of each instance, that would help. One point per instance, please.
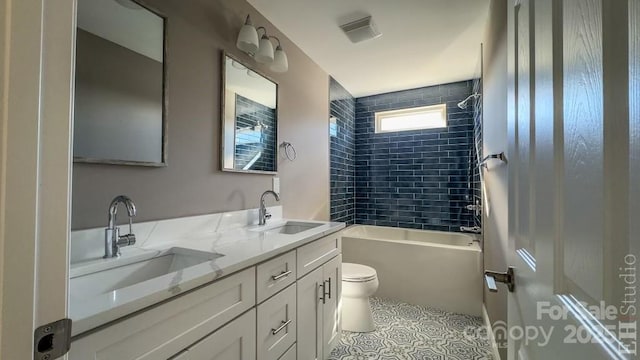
(465, 103)
(462, 104)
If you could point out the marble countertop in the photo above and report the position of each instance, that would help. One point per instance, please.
(242, 247)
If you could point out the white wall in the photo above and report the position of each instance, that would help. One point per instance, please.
(495, 220)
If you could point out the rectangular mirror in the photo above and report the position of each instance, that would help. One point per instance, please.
(120, 112)
(249, 119)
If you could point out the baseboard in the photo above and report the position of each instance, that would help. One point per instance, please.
(492, 339)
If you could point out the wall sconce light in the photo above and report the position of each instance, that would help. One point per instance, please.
(265, 50)
(248, 38)
(280, 61)
(262, 49)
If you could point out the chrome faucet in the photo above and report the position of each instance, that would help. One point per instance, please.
(112, 238)
(476, 208)
(263, 215)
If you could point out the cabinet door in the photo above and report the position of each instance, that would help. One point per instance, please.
(290, 354)
(184, 355)
(332, 274)
(310, 316)
(235, 341)
(277, 324)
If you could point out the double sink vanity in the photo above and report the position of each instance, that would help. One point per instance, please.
(221, 286)
(209, 287)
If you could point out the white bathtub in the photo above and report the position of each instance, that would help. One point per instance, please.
(431, 268)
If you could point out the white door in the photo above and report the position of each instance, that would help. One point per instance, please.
(574, 134)
(36, 90)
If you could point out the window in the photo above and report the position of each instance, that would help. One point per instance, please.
(426, 117)
(333, 126)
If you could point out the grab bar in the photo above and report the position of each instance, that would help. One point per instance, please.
(499, 156)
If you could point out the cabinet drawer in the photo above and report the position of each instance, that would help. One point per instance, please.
(275, 275)
(235, 341)
(290, 354)
(314, 254)
(277, 324)
(166, 329)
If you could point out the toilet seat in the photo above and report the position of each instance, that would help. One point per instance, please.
(358, 273)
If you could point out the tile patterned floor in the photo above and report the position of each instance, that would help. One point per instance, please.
(407, 331)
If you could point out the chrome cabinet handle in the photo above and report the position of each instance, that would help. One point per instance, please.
(281, 275)
(282, 326)
(324, 288)
(323, 297)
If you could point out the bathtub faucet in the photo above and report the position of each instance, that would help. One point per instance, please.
(471, 229)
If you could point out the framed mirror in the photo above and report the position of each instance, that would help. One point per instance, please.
(120, 93)
(249, 119)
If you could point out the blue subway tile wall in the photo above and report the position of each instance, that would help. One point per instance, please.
(415, 179)
(255, 135)
(342, 158)
(477, 150)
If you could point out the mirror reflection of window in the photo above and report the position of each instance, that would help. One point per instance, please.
(119, 100)
(250, 120)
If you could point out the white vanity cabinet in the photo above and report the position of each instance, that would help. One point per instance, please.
(318, 252)
(310, 315)
(274, 275)
(284, 308)
(331, 324)
(290, 354)
(235, 341)
(318, 310)
(167, 328)
(277, 324)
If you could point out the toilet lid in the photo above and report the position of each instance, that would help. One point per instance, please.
(357, 272)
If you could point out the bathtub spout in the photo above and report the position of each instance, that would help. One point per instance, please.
(471, 229)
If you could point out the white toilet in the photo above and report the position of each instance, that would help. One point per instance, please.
(359, 282)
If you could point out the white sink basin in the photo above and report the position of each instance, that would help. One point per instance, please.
(124, 274)
(289, 228)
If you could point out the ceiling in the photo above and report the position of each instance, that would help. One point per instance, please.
(423, 42)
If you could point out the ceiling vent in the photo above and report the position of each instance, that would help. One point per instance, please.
(361, 30)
